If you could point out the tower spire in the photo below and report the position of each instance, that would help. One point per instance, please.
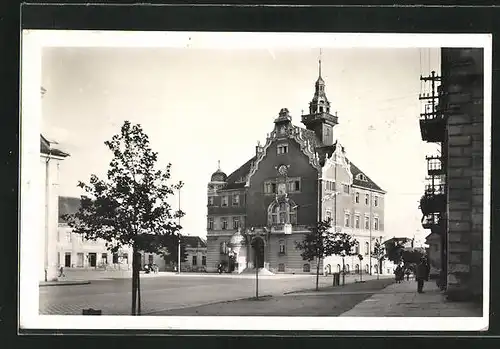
(218, 165)
(320, 52)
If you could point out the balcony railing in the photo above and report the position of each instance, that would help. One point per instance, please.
(434, 199)
(434, 165)
(432, 221)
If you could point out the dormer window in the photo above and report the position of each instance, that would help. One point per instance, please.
(361, 177)
(282, 149)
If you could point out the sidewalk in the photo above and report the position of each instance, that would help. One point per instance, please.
(403, 300)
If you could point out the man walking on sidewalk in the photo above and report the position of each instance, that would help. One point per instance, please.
(421, 274)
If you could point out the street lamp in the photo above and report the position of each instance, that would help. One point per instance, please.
(179, 238)
(343, 267)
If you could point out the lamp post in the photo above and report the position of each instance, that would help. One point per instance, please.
(343, 267)
(179, 238)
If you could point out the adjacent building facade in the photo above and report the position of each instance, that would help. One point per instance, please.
(452, 204)
(74, 251)
(50, 158)
(299, 176)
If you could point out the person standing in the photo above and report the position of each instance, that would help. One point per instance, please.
(421, 275)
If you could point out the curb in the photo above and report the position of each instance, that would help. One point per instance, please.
(63, 283)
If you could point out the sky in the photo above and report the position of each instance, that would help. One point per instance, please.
(199, 106)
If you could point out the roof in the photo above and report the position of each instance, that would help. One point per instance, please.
(67, 205)
(365, 184)
(45, 148)
(194, 241)
(234, 179)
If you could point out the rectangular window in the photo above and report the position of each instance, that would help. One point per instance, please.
(282, 247)
(356, 197)
(282, 149)
(224, 223)
(150, 259)
(67, 259)
(224, 201)
(203, 260)
(68, 237)
(195, 260)
(236, 199)
(210, 201)
(367, 222)
(273, 188)
(356, 221)
(297, 186)
(367, 199)
(375, 201)
(282, 217)
(346, 219)
(115, 258)
(346, 189)
(104, 258)
(375, 223)
(236, 222)
(210, 223)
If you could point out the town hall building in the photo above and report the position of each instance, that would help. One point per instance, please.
(299, 176)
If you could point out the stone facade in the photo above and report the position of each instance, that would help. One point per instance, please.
(458, 125)
(299, 176)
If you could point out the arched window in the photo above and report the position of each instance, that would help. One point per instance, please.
(282, 213)
(306, 268)
(356, 268)
(347, 268)
(338, 268)
(223, 247)
(367, 248)
(367, 268)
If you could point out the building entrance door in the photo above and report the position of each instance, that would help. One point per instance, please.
(67, 259)
(93, 259)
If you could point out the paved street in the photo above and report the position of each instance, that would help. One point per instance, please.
(169, 291)
(329, 301)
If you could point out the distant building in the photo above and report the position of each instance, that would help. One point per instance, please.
(299, 176)
(196, 256)
(74, 251)
(452, 205)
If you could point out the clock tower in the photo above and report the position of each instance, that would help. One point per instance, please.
(319, 119)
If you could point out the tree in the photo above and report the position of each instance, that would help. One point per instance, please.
(170, 252)
(379, 254)
(129, 207)
(394, 249)
(321, 242)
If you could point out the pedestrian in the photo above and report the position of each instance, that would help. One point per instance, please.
(61, 271)
(407, 271)
(397, 273)
(421, 275)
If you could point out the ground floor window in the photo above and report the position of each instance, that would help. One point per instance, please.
(150, 259)
(367, 268)
(281, 267)
(356, 268)
(115, 258)
(338, 268)
(104, 258)
(347, 268)
(306, 268)
(195, 260)
(125, 258)
(203, 260)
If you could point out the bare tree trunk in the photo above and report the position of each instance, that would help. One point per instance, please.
(317, 275)
(134, 280)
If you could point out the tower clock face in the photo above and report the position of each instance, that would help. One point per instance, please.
(283, 169)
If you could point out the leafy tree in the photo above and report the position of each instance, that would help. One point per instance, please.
(129, 207)
(394, 249)
(321, 242)
(170, 252)
(379, 254)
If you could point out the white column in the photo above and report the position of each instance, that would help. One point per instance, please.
(52, 219)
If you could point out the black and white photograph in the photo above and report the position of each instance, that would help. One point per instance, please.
(267, 181)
